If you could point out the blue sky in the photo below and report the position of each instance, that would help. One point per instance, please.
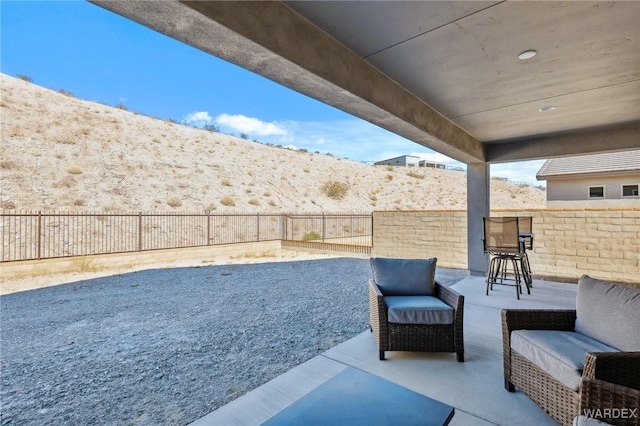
(100, 56)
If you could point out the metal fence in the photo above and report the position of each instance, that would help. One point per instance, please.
(41, 235)
(336, 228)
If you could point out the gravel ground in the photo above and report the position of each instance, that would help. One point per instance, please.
(168, 346)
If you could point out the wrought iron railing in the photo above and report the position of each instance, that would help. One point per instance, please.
(41, 235)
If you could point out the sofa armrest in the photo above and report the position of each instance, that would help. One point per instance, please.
(456, 301)
(378, 317)
(535, 319)
(449, 296)
(531, 319)
(611, 401)
(619, 368)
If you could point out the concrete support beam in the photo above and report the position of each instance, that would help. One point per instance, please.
(272, 40)
(591, 141)
(478, 191)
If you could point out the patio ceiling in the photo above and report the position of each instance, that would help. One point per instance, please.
(443, 74)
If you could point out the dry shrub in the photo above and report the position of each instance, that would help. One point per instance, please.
(228, 201)
(254, 202)
(74, 170)
(415, 175)
(225, 182)
(7, 205)
(272, 203)
(79, 202)
(66, 93)
(83, 264)
(334, 189)
(174, 202)
(7, 165)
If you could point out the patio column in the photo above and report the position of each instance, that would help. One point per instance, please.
(477, 207)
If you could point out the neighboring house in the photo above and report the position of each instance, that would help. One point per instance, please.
(409, 160)
(403, 160)
(597, 180)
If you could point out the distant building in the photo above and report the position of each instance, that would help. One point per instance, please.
(598, 180)
(410, 161)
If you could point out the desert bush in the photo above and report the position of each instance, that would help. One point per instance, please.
(174, 202)
(74, 170)
(212, 206)
(122, 107)
(312, 235)
(7, 205)
(334, 189)
(225, 182)
(24, 78)
(390, 168)
(66, 93)
(254, 202)
(306, 170)
(272, 203)
(83, 264)
(7, 165)
(389, 177)
(415, 175)
(79, 202)
(267, 194)
(228, 201)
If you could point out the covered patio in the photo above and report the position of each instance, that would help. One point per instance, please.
(474, 388)
(481, 82)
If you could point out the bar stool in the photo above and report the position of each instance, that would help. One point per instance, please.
(508, 266)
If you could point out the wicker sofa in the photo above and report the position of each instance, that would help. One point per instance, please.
(410, 311)
(579, 362)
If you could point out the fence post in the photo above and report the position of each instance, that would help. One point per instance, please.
(324, 227)
(208, 212)
(139, 231)
(258, 227)
(39, 249)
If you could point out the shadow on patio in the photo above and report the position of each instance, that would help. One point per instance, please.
(475, 387)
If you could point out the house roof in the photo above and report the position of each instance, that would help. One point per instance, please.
(611, 162)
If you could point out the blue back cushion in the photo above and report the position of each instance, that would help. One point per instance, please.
(609, 313)
(404, 277)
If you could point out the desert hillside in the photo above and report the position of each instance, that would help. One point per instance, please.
(63, 153)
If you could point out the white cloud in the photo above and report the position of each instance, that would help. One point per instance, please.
(251, 126)
(198, 118)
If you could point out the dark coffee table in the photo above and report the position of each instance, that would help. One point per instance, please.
(353, 397)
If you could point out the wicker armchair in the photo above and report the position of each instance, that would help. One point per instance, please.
(610, 381)
(417, 337)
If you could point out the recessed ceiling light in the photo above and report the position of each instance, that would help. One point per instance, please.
(527, 54)
(547, 108)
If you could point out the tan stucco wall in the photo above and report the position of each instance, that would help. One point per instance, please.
(603, 243)
(420, 234)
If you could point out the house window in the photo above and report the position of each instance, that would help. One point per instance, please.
(596, 192)
(629, 190)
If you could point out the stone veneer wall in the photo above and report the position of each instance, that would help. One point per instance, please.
(603, 243)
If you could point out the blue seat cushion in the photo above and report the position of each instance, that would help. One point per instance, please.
(418, 310)
(404, 277)
(559, 353)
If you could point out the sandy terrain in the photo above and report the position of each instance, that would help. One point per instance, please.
(8, 286)
(63, 153)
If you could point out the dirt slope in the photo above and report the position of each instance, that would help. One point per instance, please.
(63, 153)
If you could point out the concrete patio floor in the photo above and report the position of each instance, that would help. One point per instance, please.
(474, 388)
